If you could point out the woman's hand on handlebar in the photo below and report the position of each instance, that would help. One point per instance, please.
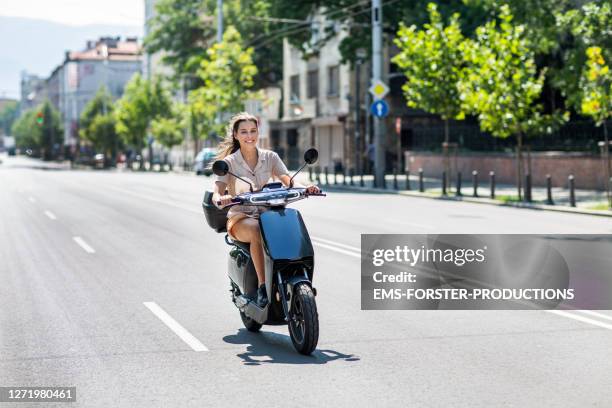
(222, 200)
(312, 189)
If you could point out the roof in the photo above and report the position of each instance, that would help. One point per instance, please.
(108, 48)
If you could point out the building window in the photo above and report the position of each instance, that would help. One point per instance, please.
(313, 84)
(333, 80)
(295, 88)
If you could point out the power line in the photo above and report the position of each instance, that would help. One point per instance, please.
(309, 22)
(295, 30)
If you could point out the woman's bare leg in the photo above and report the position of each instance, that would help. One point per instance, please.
(247, 230)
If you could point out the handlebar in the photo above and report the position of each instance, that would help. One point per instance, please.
(244, 197)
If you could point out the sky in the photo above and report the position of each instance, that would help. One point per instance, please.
(77, 12)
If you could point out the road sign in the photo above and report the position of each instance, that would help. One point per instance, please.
(379, 89)
(379, 108)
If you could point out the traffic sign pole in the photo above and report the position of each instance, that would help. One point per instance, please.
(376, 76)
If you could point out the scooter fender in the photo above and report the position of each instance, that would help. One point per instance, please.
(292, 283)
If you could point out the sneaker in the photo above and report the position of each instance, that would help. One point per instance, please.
(262, 298)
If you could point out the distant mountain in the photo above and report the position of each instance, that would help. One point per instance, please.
(38, 46)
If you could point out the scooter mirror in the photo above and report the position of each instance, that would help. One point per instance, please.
(220, 167)
(311, 156)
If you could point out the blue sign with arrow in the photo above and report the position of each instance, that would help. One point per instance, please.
(379, 108)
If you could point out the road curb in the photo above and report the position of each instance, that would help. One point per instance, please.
(542, 207)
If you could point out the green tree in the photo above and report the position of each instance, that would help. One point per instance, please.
(52, 133)
(169, 131)
(8, 115)
(432, 61)
(355, 17)
(583, 27)
(142, 102)
(501, 83)
(596, 91)
(183, 29)
(227, 75)
(97, 123)
(26, 131)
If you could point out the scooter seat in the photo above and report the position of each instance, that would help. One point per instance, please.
(244, 245)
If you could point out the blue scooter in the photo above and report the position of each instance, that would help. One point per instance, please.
(288, 260)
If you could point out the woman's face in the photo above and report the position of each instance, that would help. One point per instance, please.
(247, 134)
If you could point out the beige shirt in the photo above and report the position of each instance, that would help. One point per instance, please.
(269, 165)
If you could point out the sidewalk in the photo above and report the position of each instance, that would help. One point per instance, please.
(587, 201)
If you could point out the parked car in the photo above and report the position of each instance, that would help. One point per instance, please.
(99, 161)
(203, 161)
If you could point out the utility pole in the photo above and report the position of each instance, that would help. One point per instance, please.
(219, 41)
(379, 162)
(219, 21)
(357, 164)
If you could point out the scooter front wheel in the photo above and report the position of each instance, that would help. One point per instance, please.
(304, 321)
(250, 324)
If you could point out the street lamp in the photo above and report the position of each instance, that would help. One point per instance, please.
(361, 55)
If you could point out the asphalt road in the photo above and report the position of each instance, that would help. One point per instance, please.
(86, 257)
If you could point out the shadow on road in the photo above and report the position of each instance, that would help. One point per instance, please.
(273, 348)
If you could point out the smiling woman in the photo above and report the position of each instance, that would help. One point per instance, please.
(254, 167)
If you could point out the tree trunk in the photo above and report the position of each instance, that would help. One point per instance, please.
(607, 160)
(519, 165)
(445, 149)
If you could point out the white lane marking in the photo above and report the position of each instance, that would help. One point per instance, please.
(84, 245)
(31, 199)
(327, 241)
(333, 248)
(595, 314)
(175, 326)
(581, 319)
(50, 215)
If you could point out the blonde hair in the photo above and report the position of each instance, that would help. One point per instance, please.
(230, 144)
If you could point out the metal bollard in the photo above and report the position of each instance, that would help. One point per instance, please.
(384, 181)
(309, 173)
(361, 178)
(458, 193)
(352, 173)
(421, 184)
(572, 192)
(443, 183)
(475, 183)
(492, 177)
(343, 176)
(549, 199)
(528, 187)
(325, 174)
(408, 180)
(395, 186)
(318, 174)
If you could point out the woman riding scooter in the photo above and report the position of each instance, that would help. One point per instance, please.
(246, 160)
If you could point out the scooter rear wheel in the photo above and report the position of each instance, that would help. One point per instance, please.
(304, 323)
(250, 324)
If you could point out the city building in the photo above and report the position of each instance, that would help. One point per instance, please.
(316, 101)
(108, 62)
(32, 91)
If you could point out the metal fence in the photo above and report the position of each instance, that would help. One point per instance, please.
(574, 136)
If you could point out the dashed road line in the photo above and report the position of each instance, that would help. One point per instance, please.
(50, 215)
(86, 247)
(581, 318)
(175, 326)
